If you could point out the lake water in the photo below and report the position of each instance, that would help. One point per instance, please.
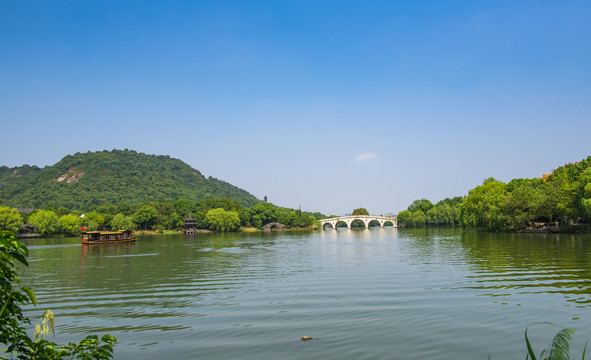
(362, 294)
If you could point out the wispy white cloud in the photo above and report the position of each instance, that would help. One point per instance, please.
(366, 157)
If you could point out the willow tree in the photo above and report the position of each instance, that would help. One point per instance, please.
(45, 222)
(586, 192)
(70, 224)
(222, 220)
(10, 219)
(485, 205)
(122, 222)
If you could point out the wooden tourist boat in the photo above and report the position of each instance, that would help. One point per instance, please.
(107, 237)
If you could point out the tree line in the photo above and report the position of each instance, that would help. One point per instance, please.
(423, 213)
(218, 214)
(561, 198)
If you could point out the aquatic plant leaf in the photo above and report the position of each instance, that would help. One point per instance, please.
(37, 331)
(6, 303)
(560, 348)
(530, 350)
(31, 294)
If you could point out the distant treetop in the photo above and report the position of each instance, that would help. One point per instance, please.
(360, 211)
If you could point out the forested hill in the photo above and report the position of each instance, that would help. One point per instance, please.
(80, 181)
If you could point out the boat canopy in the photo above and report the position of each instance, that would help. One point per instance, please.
(106, 232)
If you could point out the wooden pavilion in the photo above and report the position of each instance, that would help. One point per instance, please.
(190, 225)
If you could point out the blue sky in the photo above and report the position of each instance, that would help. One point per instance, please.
(331, 105)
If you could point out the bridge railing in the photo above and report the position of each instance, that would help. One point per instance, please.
(362, 217)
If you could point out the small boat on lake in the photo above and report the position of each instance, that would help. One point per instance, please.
(107, 237)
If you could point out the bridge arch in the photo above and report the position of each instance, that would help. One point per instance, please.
(340, 224)
(365, 219)
(364, 223)
(389, 223)
(373, 223)
(273, 225)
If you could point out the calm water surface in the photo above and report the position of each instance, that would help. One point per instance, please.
(367, 294)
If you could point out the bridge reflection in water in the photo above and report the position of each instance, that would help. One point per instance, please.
(365, 219)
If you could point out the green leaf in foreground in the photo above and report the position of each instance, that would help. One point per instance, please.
(559, 349)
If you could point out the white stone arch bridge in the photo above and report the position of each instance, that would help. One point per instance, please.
(366, 219)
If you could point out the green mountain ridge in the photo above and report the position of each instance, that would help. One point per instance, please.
(82, 180)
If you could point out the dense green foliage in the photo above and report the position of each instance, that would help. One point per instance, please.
(423, 205)
(122, 222)
(560, 198)
(484, 205)
(214, 214)
(360, 211)
(83, 180)
(45, 222)
(69, 224)
(222, 220)
(423, 213)
(13, 333)
(10, 219)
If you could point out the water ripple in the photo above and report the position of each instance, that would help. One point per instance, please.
(364, 295)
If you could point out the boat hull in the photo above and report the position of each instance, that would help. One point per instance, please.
(101, 242)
